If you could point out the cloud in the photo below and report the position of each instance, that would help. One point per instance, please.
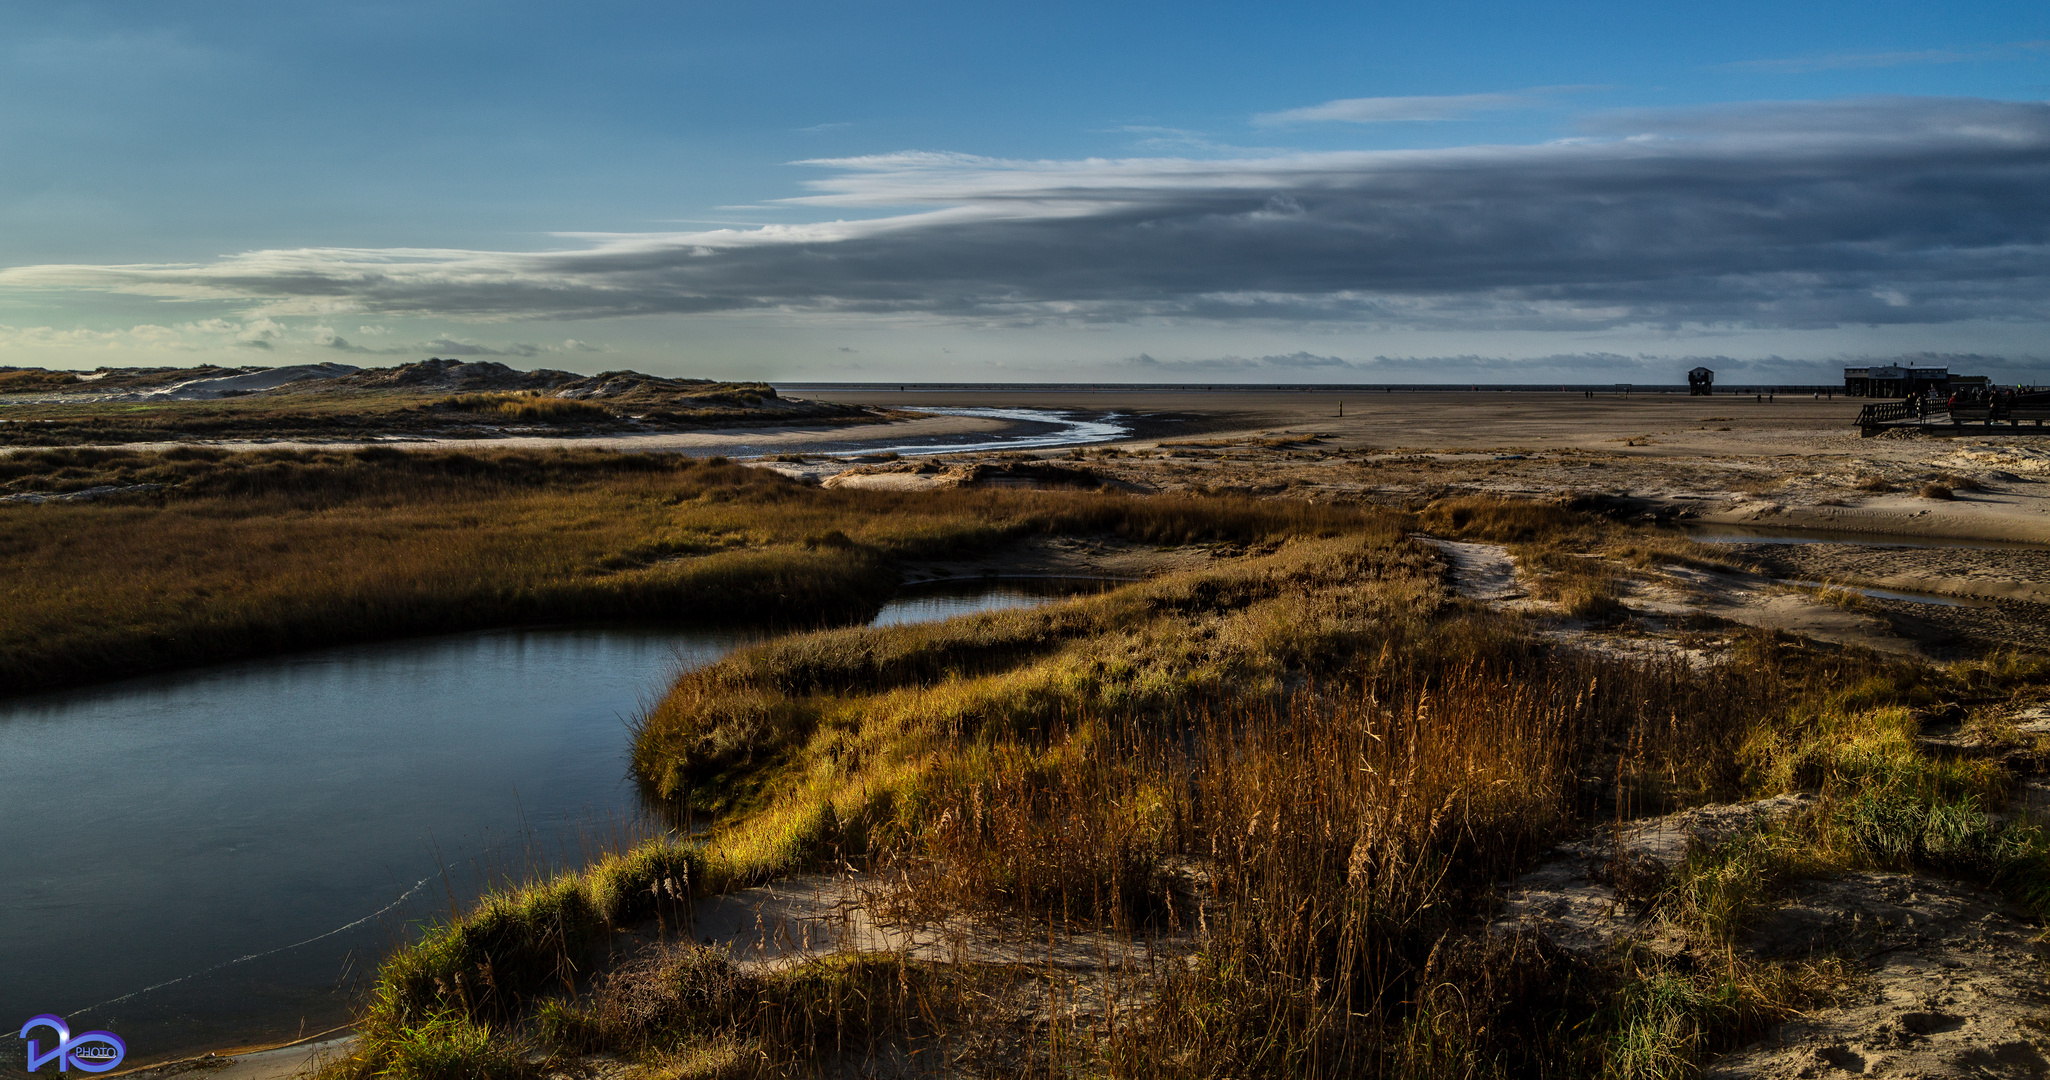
(1153, 139)
(1381, 110)
(143, 336)
(341, 344)
(263, 335)
(446, 346)
(1296, 362)
(1765, 215)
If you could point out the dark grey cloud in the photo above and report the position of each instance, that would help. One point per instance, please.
(341, 344)
(1782, 215)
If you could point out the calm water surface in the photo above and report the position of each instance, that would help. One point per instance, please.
(1766, 534)
(221, 855)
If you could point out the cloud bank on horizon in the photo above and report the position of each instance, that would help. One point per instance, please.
(1792, 214)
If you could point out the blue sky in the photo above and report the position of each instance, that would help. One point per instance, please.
(1085, 191)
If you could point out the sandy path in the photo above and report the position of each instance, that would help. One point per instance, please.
(283, 1063)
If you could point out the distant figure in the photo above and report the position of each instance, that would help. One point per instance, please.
(1700, 382)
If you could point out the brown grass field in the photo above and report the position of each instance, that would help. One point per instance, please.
(236, 554)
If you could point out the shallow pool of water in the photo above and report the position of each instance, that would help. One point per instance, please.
(1765, 534)
(221, 855)
(1891, 594)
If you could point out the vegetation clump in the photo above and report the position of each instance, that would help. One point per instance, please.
(25, 381)
(529, 405)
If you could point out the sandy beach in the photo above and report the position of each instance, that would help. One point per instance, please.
(1793, 462)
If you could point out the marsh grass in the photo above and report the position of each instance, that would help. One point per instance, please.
(263, 416)
(30, 381)
(1571, 560)
(355, 409)
(248, 553)
(1887, 805)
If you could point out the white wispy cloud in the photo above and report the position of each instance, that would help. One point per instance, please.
(1788, 215)
(263, 335)
(1382, 110)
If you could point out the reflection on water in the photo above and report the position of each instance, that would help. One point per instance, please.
(1766, 534)
(937, 600)
(1891, 594)
(281, 822)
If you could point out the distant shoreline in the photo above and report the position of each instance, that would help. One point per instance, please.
(1289, 388)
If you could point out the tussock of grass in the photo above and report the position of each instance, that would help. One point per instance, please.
(451, 1046)
(685, 1012)
(1663, 1021)
(1714, 892)
(1505, 521)
(29, 381)
(516, 943)
(1887, 804)
(528, 405)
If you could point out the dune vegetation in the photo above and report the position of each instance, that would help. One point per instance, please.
(1313, 751)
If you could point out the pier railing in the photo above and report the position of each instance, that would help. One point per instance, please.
(1891, 412)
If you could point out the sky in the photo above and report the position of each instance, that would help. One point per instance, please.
(1120, 192)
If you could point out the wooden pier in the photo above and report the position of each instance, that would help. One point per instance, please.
(1975, 418)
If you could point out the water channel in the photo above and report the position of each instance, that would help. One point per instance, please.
(219, 856)
(1768, 534)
